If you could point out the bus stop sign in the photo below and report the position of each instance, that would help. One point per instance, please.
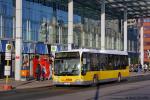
(53, 48)
(8, 52)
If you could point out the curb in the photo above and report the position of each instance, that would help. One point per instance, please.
(31, 85)
(14, 88)
(50, 84)
(22, 88)
(140, 75)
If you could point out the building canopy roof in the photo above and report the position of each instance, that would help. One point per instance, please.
(135, 8)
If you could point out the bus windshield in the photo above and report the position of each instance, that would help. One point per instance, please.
(67, 64)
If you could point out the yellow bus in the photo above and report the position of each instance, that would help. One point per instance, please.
(86, 66)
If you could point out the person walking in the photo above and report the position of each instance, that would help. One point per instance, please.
(38, 72)
(145, 68)
(139, 68)
(43, 73)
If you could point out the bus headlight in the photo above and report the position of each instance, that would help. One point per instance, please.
(56, 79)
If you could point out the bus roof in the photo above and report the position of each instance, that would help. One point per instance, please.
(116, 52)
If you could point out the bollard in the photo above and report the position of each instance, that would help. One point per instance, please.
(7, 73)
(25, 74)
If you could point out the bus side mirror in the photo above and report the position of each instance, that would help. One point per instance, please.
(83, 71)
(84, 61)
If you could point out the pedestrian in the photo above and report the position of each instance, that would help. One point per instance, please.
(139, 68)
(145, 68)
(50, 68)
(38, 72)
(43, 73)
(24, 66)
(50, 74)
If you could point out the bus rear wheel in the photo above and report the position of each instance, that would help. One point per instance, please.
(119, 77)
(95, 81)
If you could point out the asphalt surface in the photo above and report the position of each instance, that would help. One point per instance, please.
(132, 91)
(46, 92)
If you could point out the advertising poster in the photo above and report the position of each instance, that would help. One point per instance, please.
(25, 61)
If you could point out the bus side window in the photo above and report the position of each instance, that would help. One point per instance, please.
(102, 67)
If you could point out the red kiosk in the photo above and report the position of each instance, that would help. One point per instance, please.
(44, 61)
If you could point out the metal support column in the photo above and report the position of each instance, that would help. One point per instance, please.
(103, 25)
(97, 38)
(14, 24)
(29, 34)
(70, 24)
(18, 39)
(1, 26)
(141, 45)
(91, 40)
(27, 27)
(125, 30)
(54, 23)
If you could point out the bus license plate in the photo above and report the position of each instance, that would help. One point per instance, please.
(67, 83)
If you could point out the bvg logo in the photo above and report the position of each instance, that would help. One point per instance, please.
(9, 47)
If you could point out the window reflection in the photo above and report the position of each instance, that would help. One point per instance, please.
(6, 18)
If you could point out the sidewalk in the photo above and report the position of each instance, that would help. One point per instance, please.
(132, 74)
(46, 83)
(25, 84)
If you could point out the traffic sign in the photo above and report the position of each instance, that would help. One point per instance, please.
(7, 71)
(8, 52)
(53, 48)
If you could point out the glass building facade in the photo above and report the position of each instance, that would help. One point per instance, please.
(133, 41)
(146, 40)
(46, 23)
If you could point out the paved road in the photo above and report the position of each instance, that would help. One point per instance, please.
(107, 91)
(131, 91)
